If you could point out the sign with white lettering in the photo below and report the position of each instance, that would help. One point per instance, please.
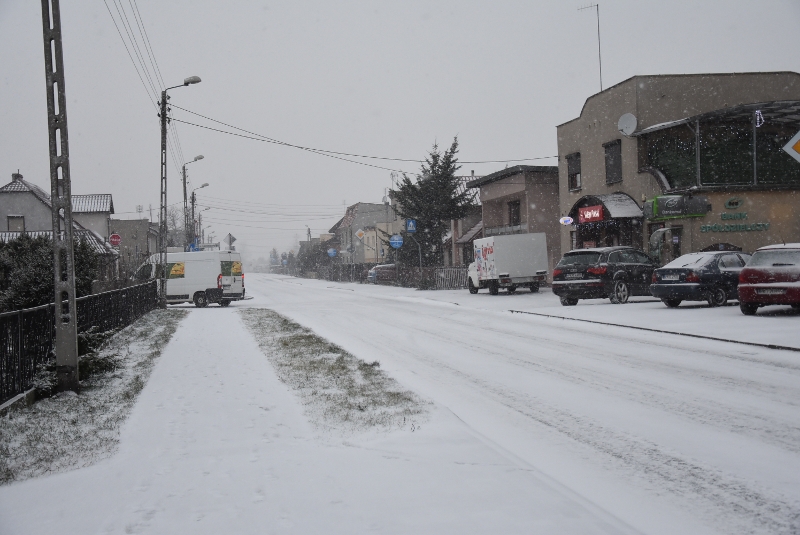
(590, 213)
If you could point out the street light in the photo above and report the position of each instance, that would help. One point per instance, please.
(186, 231)
(194, 198)
(162, 227)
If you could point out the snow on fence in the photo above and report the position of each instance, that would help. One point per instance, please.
(27, 336)
(451, 278)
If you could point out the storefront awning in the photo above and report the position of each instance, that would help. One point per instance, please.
(615, 206)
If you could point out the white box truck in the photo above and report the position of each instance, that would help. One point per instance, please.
(511, 261)
(199, 277)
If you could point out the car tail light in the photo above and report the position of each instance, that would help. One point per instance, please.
(654, 279)
(219, 281)
(557, 272)
(597, 270)
(692, 277)
(242, 280)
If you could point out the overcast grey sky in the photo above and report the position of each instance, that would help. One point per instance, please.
(376, 78)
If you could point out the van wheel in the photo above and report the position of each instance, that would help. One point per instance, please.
(511, 289)
(200, 300)
(534, 288)
(494, 289)
(472, 288)
(717, 297)
(569, 301)
(224, 303)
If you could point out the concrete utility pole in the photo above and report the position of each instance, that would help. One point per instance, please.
(162, 216)
(186, 230)
(61, 202)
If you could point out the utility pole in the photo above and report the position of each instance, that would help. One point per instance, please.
(162, 216)
(186, 231)
(194, 231)
(66, 346)
(599, 57)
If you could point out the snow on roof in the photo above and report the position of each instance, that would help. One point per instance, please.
(471, 233)
(95, 241)
(100, 202)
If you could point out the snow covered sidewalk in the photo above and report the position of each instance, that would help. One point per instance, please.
(217, 444)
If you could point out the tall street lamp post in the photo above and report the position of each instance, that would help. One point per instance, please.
(186, 231)
(194, 200)
(162, 216)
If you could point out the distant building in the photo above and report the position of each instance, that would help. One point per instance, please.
(374, 220)
(139, 241)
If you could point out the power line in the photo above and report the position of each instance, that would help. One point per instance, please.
(277, 141)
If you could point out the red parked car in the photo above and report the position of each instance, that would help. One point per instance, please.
(771, 277)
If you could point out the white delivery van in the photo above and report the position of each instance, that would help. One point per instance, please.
(200, 277)
(510, 261)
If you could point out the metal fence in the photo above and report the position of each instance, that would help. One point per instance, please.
(27, 336)
(450, 278)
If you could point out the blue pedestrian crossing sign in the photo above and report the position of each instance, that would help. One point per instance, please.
(411, 225)
(396, 241)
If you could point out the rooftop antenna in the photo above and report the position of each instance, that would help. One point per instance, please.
(599, 57)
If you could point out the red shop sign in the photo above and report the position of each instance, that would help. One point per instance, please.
(590, 213)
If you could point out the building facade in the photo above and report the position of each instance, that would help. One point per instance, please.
(700, 155)
(521, 199)
(139, 241)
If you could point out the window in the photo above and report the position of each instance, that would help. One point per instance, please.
(574, 171)
(730, 261)
(613, 161)
(514, 213)
(16, 223)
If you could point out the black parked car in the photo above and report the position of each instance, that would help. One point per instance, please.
(712, 277)
(613, 272)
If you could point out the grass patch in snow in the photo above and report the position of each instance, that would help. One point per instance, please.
(340, 392)
(69, 430)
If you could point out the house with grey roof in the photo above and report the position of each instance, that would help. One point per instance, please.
(25, 207)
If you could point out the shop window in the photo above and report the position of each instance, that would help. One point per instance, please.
(726, 152)
(613, 161)
(514, 217)
(574, 171)
(16, 223)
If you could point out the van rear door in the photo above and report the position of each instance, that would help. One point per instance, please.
(231, 276)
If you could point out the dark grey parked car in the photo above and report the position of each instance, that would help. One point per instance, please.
(711, 276)
(613, 272)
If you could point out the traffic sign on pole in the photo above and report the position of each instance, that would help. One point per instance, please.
(411, 225)
(793, 147)
(115, 239)
(331, 252)
(396, 241)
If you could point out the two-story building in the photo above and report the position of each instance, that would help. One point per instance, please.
(521, 199)
(702, 155)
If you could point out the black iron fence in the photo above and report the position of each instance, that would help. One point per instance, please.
(27, 336)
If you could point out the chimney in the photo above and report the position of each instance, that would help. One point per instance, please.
(16, 176)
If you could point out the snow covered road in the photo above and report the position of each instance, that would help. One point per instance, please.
(670, 434)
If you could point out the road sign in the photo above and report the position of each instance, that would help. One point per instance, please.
(193, 247)
(115, 239)
(793, 147)
(229, 239)
(411, 225)
(331, 252)
(396, 241)
(360, 234)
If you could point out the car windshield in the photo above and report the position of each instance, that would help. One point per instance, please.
(775, 257)
(690, 260)
(588, 257)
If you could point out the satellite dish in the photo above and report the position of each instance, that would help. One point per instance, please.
(627, 124)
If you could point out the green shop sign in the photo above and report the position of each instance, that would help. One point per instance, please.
(734, 203)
